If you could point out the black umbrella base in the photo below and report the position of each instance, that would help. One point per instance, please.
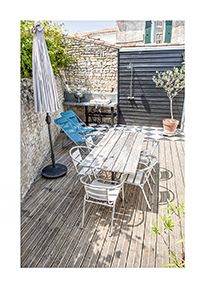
(50, 171)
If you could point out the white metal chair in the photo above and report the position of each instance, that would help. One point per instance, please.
(152, 145)
(142, 175)
(89, 142)
(145, 155)
(102, 192)
(78, 154)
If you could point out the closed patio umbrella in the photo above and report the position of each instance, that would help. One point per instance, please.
(45, 93)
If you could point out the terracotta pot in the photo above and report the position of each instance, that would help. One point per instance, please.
(170, 126)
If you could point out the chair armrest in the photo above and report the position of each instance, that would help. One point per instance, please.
(145, 168)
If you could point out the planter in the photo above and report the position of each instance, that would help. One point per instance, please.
(170, 126)
(69, 96)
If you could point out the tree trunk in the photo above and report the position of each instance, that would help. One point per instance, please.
(171, 109)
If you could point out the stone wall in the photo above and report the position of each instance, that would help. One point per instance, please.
(95, 71)
(34, 134)
(96, 66)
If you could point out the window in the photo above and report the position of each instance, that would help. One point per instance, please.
(158, 32)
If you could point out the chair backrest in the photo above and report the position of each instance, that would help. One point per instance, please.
(97, 192)
(76, 122)
(77, 154)
(73, 133)
(152, 146)
(70, 114)
(60, 121)
(63, 123)
(101, 192)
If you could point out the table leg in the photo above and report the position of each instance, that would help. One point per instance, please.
(86, 115)
(112, 116)
(113, 176)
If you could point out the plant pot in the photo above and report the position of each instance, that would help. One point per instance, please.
(170, 126)
(69, 96)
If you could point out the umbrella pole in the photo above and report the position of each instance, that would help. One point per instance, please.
(55, 170)
(48, 121)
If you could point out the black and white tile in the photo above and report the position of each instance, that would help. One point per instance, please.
(158, 133)
(150, 132)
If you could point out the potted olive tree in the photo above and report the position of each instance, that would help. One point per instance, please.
(172, 81)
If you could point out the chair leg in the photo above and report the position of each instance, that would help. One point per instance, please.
(111, 224)
(142, 188)
(123, 195)
(152, 178)
(63, 140)
(150, 188)
(83, 217)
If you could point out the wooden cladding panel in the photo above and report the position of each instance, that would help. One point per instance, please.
(149, 105)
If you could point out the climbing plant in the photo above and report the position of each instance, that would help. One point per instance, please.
(57, 44)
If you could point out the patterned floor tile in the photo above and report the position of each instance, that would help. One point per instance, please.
(153, 132)
(157, 133)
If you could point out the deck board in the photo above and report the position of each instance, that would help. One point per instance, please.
(164, 196)
(51, 214)
(93, 252)
(120, 253)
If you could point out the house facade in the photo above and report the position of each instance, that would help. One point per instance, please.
(133, 33)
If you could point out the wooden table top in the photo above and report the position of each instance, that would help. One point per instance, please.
(118, 151)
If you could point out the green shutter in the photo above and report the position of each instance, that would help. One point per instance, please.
(148, 31)
(168, 31)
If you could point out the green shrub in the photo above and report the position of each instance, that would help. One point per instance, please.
(168, 226)
(57, 44)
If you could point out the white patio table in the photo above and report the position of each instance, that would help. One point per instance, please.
(118, 151)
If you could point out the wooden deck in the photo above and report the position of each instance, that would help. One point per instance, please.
(51, 216)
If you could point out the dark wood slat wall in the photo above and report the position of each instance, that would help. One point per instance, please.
(150, 104)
